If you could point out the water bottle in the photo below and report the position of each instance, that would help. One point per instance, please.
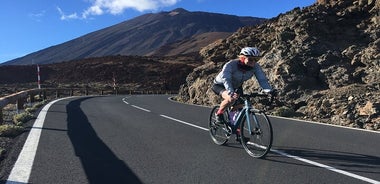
(233, 117)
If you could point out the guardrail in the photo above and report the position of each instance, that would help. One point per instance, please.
(20, 98)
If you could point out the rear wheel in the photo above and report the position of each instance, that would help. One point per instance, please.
(256, 138)
(219, 132)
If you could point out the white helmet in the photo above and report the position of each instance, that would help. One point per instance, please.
(250, 51)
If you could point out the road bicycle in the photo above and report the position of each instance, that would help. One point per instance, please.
(251, 126)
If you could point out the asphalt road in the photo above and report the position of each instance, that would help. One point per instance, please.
(150, 139)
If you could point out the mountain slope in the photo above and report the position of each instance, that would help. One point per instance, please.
(191, 45)
(139, 36)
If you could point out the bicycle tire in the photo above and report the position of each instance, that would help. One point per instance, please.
(260, 140)
(220, 133)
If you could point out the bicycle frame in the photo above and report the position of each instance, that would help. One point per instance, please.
(246, 112)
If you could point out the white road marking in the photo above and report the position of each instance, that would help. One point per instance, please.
(369, 180)
(125, 100)
(21, 170)
(184, 122)
(140, 108)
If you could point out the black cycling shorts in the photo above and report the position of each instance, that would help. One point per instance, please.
(219, 88)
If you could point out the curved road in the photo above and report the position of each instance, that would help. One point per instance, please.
(150, 139)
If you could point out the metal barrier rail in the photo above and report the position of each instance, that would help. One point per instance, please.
(20, 98)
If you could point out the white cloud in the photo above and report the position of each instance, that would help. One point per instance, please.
(114, 7)
(66, 17)
(37, 16)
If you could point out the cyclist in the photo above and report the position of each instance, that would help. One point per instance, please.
(228, 83)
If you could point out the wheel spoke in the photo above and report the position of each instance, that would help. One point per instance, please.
(260, 140)
(219, 132)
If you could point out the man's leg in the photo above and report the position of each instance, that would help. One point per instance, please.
(226, 102)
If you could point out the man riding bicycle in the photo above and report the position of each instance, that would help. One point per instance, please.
(228, 83)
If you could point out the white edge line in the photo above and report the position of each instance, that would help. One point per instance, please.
(146, 110)
(326, 167)
(21, 170)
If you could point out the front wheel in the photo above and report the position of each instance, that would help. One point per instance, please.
(219, 132)
(257, 134)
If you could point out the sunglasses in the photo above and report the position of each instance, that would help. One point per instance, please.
(252, 58)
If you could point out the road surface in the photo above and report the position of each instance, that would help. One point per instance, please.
(151, 139)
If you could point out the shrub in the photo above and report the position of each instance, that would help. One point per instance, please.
(10, 131)
(285, 112)
(30, 109)
(21, 118)
(35, 107)
(38, 98)
(39, 104)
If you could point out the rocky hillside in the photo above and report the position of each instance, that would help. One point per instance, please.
(142, 36)
(323, 59)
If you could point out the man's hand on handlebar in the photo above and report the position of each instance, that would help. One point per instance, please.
(233, 95)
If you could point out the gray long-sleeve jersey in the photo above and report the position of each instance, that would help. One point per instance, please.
(232, 77)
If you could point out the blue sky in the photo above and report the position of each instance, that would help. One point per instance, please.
(32, 25)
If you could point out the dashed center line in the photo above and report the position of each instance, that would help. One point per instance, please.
(184, 122)
(140, 108)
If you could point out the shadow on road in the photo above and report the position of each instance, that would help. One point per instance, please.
(100, 163)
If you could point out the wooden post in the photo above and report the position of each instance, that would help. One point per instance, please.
(20, 104)
(44, 95)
